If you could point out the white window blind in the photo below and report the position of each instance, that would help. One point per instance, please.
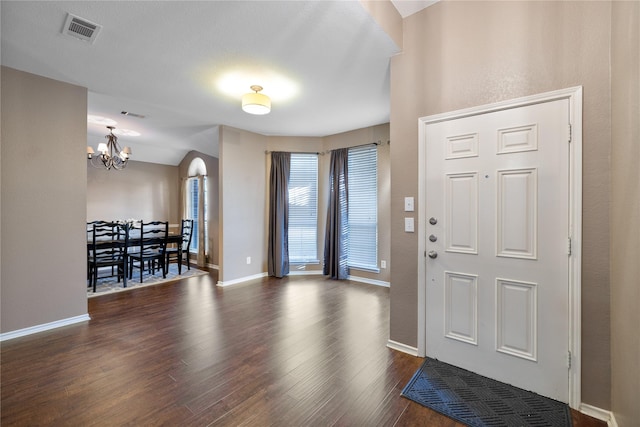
(192, 210)
(363, 207)
(206, 215)
(303, 208)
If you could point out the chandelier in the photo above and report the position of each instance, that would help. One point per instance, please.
(110, 154)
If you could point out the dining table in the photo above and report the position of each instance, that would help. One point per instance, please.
(173, 238)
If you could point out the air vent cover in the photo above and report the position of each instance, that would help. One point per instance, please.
(81, 28)
(127, 113)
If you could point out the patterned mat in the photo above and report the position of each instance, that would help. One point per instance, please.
(480, 401)
(109, 285)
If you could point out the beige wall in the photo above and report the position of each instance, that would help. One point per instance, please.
(44, 132)
(243, 219)
(145, 191)
(212, 178)
(625, 213)
(462, 54)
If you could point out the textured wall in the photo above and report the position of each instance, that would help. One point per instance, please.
(463, 54)
(243, 204)
(625, 213)
(146, 191)
(44, 133)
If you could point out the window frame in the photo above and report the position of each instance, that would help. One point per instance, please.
(295, 198)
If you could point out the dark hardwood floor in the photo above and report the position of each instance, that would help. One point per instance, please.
(302, 351)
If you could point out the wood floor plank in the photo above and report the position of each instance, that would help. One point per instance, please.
(300, 351)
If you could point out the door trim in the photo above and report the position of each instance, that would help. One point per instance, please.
(574, 96)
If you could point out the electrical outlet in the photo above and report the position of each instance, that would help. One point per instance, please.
(383, 264)
(248, 260)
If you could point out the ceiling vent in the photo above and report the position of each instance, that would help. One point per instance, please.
(127, 113)
(80, 28)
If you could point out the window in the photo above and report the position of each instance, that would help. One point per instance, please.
(196, 205)
(363, 208)
(192, 210)
(206, 214)
(303, 208)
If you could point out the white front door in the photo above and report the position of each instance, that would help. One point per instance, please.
(497, 244)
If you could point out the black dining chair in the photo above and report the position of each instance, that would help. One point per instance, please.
(89, 246)
(107, 248)
(181, 250)
(152, 245)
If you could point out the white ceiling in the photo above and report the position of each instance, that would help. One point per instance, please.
(325, 64)
(409, 7)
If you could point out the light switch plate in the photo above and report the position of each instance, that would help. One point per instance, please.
(408, 225)
(408, 204)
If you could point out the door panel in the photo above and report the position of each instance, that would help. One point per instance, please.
(497, 187)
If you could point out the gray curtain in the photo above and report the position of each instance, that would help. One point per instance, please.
(278, 250)
(337, 232)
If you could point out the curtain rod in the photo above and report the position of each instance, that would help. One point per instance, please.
(294, 152)
(322, 153)
(378, 142)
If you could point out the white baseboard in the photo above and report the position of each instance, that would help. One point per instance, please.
(402, 347)
(369, 281)
(241, 280)
(598, 413)
(305, 273)
(352, 278)
(44, 327)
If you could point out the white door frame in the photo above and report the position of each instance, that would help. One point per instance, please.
(574, 96)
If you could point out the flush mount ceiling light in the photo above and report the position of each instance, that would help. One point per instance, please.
(111, 156)
(256, 103)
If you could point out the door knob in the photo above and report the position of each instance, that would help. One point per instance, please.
(432, 238)
(433, 221)
(433, 254)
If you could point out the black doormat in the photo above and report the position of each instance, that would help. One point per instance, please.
(480, 401)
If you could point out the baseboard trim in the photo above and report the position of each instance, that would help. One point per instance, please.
(44, 327)
(241, 280)
(351, 278)
(598, 413)
(305, 273)
(369, 281)
(213, 266)
(394, 345)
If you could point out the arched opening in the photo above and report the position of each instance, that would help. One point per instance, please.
(196, 208)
